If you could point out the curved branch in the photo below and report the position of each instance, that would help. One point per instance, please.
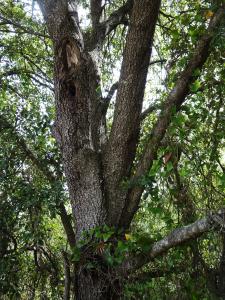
(116, 18)
(172, 104)
(177, 237)
(149, 110)
(107, 99)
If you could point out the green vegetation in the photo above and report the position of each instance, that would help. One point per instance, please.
(185, 182)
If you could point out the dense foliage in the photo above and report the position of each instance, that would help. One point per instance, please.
(186, 181)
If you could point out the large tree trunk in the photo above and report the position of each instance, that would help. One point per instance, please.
(79, 131)
(78, 120)
(80, 128)
(78, 138)
(94, 183)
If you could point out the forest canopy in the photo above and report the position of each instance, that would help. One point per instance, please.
(112, 149)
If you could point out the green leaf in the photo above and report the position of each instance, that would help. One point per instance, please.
(76, 254)
(195, 86)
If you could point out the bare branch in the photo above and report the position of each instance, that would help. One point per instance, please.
(177, 237)
(117, 17)
(157, 61)
(40, 82)
(35, 66)
(166, 15)
(111, 92)
(172, 104)
(221, 165)
(96, 10)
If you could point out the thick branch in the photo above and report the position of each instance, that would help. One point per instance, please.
(117, 17)
(96, 10)
(111, 92)
(172, 104)
(123, 139)
(175, 238)
(157, 61)
(21, 143)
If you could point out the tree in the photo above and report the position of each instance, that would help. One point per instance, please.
(110, 169)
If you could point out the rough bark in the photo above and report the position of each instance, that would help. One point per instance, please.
(96, 10)
(78, 129)
(216, 276)
(172, 104)
(120, 150)
(78, 122)
(67, 277)
(94, 169)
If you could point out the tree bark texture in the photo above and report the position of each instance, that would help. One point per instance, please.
(78, 123)
(121, 148)
(95, 167)
(171, 105)
(78, 127)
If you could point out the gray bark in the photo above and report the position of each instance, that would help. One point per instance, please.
(177, 237)
(172, 104)
(94, 167)
(78, 121)
(121, 148)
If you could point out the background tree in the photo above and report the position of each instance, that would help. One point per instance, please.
(142, 176)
